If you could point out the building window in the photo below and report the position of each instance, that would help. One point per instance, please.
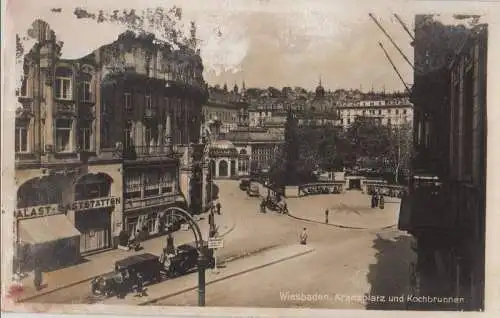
(404, 111)
(133, 184)
(380, 112)
(63, 87)
(105, 133)
(64, 135)
(397, 111)
(149, 103)
(388, 121)
(86, 88)
(388, 111)
(151, 183)
(166, 182)
(127, 138)
(21, 136)
(127, 100)
(84, 135)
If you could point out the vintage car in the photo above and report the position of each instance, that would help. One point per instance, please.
(244, 184)
(253, 189)
(186, 259)
(124, 277)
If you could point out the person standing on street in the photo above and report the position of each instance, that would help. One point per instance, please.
(381, 202)
(326, 216)
(170, 249)
(303, 237)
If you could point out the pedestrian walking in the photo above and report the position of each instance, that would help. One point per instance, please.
(140, 286)
(326, 216)
(374, 199)
(37, 279)
(303, 237)
(263, 206)
(381, 202)
(218, 206)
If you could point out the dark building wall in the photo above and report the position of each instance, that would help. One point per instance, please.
(447, 215)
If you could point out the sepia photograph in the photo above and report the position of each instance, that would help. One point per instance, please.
(256, 154)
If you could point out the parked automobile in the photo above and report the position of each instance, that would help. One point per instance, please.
(253, 189)
(186, 259)
(244, 184)
(124, 277)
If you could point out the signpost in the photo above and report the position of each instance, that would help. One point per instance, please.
(215, 243)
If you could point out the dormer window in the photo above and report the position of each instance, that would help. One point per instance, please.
(64, 83)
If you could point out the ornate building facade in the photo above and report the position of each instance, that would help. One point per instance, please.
(102, 144)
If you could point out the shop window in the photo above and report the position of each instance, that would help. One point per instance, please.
(151, 222)
(21, 139)
(131, 225)
(64, 83)
(86, 88)
(64, 135)
(84, 135)
(39, 191)
(92, 186)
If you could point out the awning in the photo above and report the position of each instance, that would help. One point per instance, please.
(46, 229)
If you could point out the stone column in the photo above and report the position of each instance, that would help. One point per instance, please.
(168, 133)
(217, 168)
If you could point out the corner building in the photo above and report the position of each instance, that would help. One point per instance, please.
(64, 179)
(100, 144)
(152, 97)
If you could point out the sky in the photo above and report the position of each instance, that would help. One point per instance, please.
(263, 42)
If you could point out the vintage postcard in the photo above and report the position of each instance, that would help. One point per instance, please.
(248, 157)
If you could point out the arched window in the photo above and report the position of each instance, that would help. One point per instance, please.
(64, 83)
(93, 186)
(40, 191)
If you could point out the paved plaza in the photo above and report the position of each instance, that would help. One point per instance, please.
(261, 260)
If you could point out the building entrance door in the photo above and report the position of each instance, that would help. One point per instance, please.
(95, 226)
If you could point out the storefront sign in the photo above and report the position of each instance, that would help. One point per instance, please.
(50, 209)
(38, 211)
(95, 203)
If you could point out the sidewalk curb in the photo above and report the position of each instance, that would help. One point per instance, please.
(339, 225)
(231, 228)
(227, 277)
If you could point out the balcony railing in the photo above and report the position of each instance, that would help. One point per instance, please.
(146, 151)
